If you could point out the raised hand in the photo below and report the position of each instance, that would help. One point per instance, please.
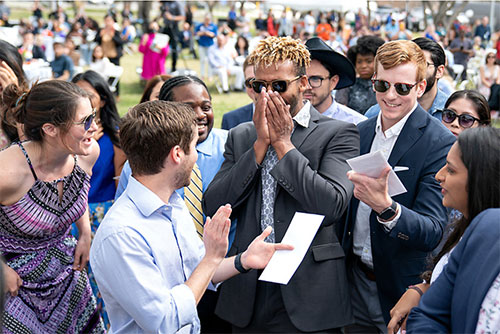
(280, 123)
(215, 233)
(260, 121)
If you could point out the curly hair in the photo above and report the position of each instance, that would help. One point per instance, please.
(366, 45)
(274, 50)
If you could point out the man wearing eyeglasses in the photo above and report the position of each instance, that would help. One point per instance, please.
(329, 70)
(245, 113)
(289, 159)
(387, 240)
(433, 99)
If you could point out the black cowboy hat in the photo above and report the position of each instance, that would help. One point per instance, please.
(333, 61)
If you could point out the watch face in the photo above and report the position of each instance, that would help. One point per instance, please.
(389, 212)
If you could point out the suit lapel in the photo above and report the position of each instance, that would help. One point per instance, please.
(366, 135)
(409, 135)
(300, 133)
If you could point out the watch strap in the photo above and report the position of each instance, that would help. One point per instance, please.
(238, 265)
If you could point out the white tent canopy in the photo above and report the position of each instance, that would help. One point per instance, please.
(325, 5)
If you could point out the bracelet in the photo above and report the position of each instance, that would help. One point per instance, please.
(416, 288)
(238, 265)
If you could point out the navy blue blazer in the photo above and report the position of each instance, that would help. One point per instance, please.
(399, 256)
(237, 116)
(452, 303)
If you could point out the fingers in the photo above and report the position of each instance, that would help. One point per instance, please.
(385, 173)
(283, 247)
(265, 233)
(77, 262)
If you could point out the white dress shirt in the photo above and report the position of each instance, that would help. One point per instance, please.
(384, 142)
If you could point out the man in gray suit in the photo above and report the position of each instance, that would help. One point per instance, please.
(289, 159)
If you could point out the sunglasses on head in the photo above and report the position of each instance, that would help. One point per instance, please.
(87, 121)
(464, 120)
(248, 82)
(383, 86)
(279, 86)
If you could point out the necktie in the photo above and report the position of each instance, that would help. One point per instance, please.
(192, 197)
(268, 192)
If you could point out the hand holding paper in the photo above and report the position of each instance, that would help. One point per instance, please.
(374, 180)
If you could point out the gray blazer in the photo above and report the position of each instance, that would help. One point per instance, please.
(311, 178)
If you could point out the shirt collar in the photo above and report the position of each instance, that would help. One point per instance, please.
(396, 129)
(147, 201)
(304, 115)
(439, 101)
(206, 147)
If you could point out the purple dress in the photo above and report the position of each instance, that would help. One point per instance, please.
(35, 242)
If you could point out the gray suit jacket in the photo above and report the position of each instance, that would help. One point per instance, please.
(311, 178)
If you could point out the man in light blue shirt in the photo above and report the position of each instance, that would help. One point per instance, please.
(329, 70)
(149, 263)
(434, 98)
(210, 146)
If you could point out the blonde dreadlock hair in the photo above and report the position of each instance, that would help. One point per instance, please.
(273, 50)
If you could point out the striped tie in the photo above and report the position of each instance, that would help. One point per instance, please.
(192, 197)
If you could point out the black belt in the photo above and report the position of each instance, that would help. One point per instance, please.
(369, 273)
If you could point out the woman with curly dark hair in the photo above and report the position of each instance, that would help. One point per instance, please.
(361, 96)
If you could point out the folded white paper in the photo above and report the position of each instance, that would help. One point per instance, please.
(300, 234)
(372, 164)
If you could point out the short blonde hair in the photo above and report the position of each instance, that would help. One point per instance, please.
(395, 53)
(274, 50)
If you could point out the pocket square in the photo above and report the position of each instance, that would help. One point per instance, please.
(400, 168)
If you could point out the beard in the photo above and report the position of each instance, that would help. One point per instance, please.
(183, 177)
(431, 81)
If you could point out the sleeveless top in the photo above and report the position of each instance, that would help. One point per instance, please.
(102, 183)
(39, 219)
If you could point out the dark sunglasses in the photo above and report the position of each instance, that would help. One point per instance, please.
(87, 121)
(279, 86)
(248, 82)
(383, 86)
(464, 120)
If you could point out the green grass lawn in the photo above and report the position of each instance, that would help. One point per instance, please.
(131, 89)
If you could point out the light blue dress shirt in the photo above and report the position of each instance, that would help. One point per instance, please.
(343, 113)
(141, 255)
(210, 158)
(437, 104)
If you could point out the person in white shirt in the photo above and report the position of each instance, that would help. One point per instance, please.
(329, 70)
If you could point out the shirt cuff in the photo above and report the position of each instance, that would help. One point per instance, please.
(389, 224)
(185, 304)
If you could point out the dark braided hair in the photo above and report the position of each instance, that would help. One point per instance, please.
(108, 114)
(167, 90)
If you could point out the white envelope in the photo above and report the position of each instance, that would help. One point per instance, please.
(372, 164)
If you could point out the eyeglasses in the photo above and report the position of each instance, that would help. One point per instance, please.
(248, 82)
(464, 120)
(490, 57)
(87, 121)
(279, 86)
(316, 81)
(383, 86)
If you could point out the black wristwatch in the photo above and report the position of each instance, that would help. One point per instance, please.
(388, 212)
(238, 265)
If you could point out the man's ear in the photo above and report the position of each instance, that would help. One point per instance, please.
(176, 155)
(440, 72)
(50, 130)
(421, 88)
(304, 84)
(334, 81)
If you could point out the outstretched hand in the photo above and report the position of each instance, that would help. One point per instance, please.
(259, 252)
